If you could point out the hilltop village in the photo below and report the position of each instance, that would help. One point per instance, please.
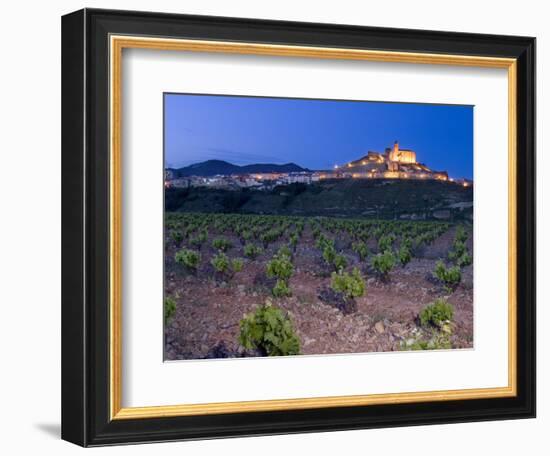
(393, 163)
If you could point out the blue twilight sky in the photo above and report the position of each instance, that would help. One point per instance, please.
(315, 134)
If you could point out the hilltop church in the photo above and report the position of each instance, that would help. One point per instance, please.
(394, 163)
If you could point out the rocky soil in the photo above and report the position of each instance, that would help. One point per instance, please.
(209, 307)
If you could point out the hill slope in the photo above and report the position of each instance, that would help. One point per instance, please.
(339, 198)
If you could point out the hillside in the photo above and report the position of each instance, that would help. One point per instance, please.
(375, 198)
(214, 167)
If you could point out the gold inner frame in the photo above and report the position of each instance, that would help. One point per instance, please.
(117, 44)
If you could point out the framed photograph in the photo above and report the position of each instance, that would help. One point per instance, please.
(278, 227)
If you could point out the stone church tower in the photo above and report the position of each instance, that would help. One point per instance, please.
(401, 155)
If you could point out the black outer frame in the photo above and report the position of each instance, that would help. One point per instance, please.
(85, 227)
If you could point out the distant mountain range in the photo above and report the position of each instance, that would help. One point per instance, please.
(213, 167)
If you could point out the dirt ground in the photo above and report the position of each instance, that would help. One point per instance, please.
(209, 308)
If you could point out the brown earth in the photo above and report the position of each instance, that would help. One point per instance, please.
(209, 308)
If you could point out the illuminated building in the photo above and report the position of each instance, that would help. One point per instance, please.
(394, 163)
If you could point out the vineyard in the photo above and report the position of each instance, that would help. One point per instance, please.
(271, 285)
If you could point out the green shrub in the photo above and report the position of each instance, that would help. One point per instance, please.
(449, 276)
(352, 285)
(361, 249)
(459, 254)
(385, 243)
(323, 242)
(437, 341)
(269, 236)
(252, 251)
(222, 244)
(177, 237)
(169, 308)
(404, 255)
(320, 239)
(436, 313)
(461, 235)
(316, 233)
(220, 262)
(464, 260)
(199, 239)
(293, 241)
(280, 267)
(245, 236)
(383, 263)
(223, 265)
(329, 253)
(417, 241)
(284, 250)
(269, 330)
(237, 265)
(188, 258)
(340, 262)
(281, 289)
(458, 250)
(413, 345)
